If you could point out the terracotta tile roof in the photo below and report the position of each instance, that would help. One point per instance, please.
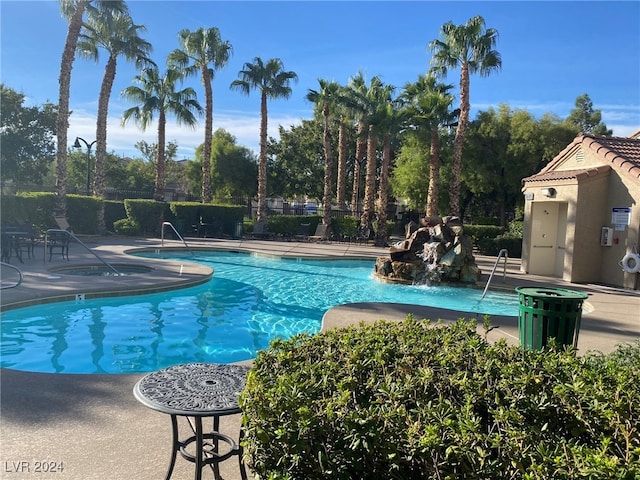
(621, 153)
(568, 174)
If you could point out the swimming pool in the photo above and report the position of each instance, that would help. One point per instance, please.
(249, 301)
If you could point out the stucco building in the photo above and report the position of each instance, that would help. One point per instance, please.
(582, 213)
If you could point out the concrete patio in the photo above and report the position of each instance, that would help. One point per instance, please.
(94, 428)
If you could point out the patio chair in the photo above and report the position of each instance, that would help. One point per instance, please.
(322, 233)
(58, 240)
(303, 232)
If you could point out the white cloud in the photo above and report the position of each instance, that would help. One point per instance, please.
(122, 140)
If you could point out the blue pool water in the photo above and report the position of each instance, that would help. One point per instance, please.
(249, 301)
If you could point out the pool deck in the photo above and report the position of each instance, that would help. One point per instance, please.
(94, 426)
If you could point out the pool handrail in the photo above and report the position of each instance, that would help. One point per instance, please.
(20, 278)
(176, 232)
(501, 253)
(72, 235)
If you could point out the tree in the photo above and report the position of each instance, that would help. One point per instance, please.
(296, 161)
(234, 168)
(376, 100)
(389, 121)
(355, 102)
(73, 11)
(469, 47)
(427, 105)
(200, 49)
(116, 33)
(27, 137)
(343, 150)
(273, 82)
(325, 99)
(158, 94)
(586, 119)
(407, 179)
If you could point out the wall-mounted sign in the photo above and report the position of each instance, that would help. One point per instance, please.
(621, 216)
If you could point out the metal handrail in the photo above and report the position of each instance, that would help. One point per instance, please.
(504, 274)
(17, 270)
(176, 232)
(59, 230)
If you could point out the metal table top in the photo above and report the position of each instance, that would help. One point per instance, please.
(193, 389)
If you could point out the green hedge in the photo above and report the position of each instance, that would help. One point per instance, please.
(37, 208)
(411, 400)
(220, 219)
(82, 213)
(113, 211)
(148, 215)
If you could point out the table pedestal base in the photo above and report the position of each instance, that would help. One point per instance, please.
(207, 448)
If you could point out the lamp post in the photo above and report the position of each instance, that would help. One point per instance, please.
(88, 145)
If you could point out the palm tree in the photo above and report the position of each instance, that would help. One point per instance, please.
(273, 82)
(200, 49)
(158, 94)
(73, 11)
(325, 99)
(469, 47)
(390, 121)
(427, 106)
(377, 96)
(343, 129)
(355, 103)
(116, 33)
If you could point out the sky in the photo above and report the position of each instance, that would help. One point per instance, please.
(551, 51)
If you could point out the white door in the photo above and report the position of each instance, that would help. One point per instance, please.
(561, 239)
(544, 238)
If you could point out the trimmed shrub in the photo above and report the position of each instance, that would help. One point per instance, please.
(31, 207)
(148, 215)
(186, 215)
(126, 226)
(346, 226)
(479, 232)
(414, 400)
(82, 213)
(221, 218)
(287, 225)
(113, 211)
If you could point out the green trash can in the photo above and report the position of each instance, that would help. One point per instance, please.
(547, 312)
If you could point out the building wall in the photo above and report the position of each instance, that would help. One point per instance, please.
(584, 265)
(589, 205)
(623, 192)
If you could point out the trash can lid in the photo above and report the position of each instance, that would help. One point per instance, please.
(551, 292)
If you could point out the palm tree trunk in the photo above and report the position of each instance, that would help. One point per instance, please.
(208, 134)
(458, 141)
(101, 138)
(62, 122)
(383, 194)
(434, 175)
(328, 164)
(262, 163)
(360, 155)
(370, 181)
(158, 195)
(342, 166)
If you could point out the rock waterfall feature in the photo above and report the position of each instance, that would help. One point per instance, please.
(434, 252)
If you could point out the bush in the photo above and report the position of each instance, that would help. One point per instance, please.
(290, 224)
(413, 400)
(113, 211)
(82, 212)
(148, 215)
(126, 226)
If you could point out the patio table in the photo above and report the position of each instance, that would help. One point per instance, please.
(197, 391)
